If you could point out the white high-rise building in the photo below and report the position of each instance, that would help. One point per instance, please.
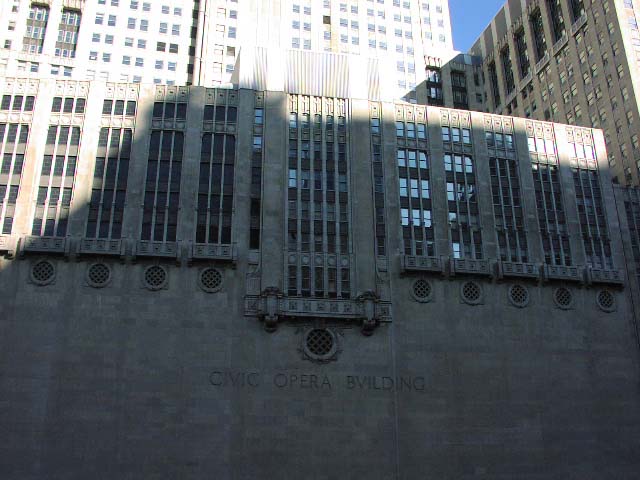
(403, 32)
(198, 42)
(111, 40)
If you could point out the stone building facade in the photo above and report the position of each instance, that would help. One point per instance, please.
(273, 282)
(569, 61)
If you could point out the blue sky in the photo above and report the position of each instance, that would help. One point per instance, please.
(469, 18)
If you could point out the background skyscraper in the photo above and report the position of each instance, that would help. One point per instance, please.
(570, 61)
(180, 42)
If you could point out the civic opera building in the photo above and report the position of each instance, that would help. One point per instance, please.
(306, 278)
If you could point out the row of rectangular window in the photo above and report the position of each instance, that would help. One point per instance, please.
(13, 140)
(63, 134)
(305, 121)
(500, 141)
(222, 113)
(162, 190)
(146, 6)
(318, 190)
(411, 130)
(17, 103)
(106, 207)
(119, 107)
(456, 135)
(57, 179)
(551, 216)
(70, 17)
(508, 212)
(66, 166)
(68, 105)
(255, 219)
(215, 192)
(170, 110)
(591, 214)
(14, 132)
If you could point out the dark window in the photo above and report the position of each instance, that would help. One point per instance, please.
(537, 27)
(162, 191)
(131, 108)
(56, 105)
(505, 57)
(493, 80)
(523, 55)
(110, 175)
(107, 107)
(119, 107)
(215, 191)
(6, 102)
(577, 9)
(80, 104)
(53, 202)
(556, 18)
(68, 105)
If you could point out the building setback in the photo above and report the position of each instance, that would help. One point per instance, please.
(255, 283)
(573, 61)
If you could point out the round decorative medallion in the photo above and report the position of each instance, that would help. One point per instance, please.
(606, 301)
(43, 272)
(519, 295)
(421, 290)
(155, 277)
(320, 345)
(563, 298)
(471, 293)
(210, 279)
(98, 275)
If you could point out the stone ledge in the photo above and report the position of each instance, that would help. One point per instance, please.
(145, 248)
(34, 244)
(413, 263)
(214, 251)
(473, 267)
(100, 246)
(613, 277)
(339, 309)
(569, 274)
(518, 269)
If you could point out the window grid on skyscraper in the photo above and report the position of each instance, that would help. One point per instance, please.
(33, 40)
(464, 223)
(507, 209)
(412, 162)
(162, 190)
(378, 179)
(318, 217)
(111, 171)
(589, 202)
(13, 146)
(550, 206)
(257, 153)
(215, 191)
(57, 180)
(67, 40)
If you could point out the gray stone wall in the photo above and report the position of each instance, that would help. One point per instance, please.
(127, 381)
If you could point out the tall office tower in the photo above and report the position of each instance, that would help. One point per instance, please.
(573, 61)
(198, 42)
(110, 40)
(406, 33)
